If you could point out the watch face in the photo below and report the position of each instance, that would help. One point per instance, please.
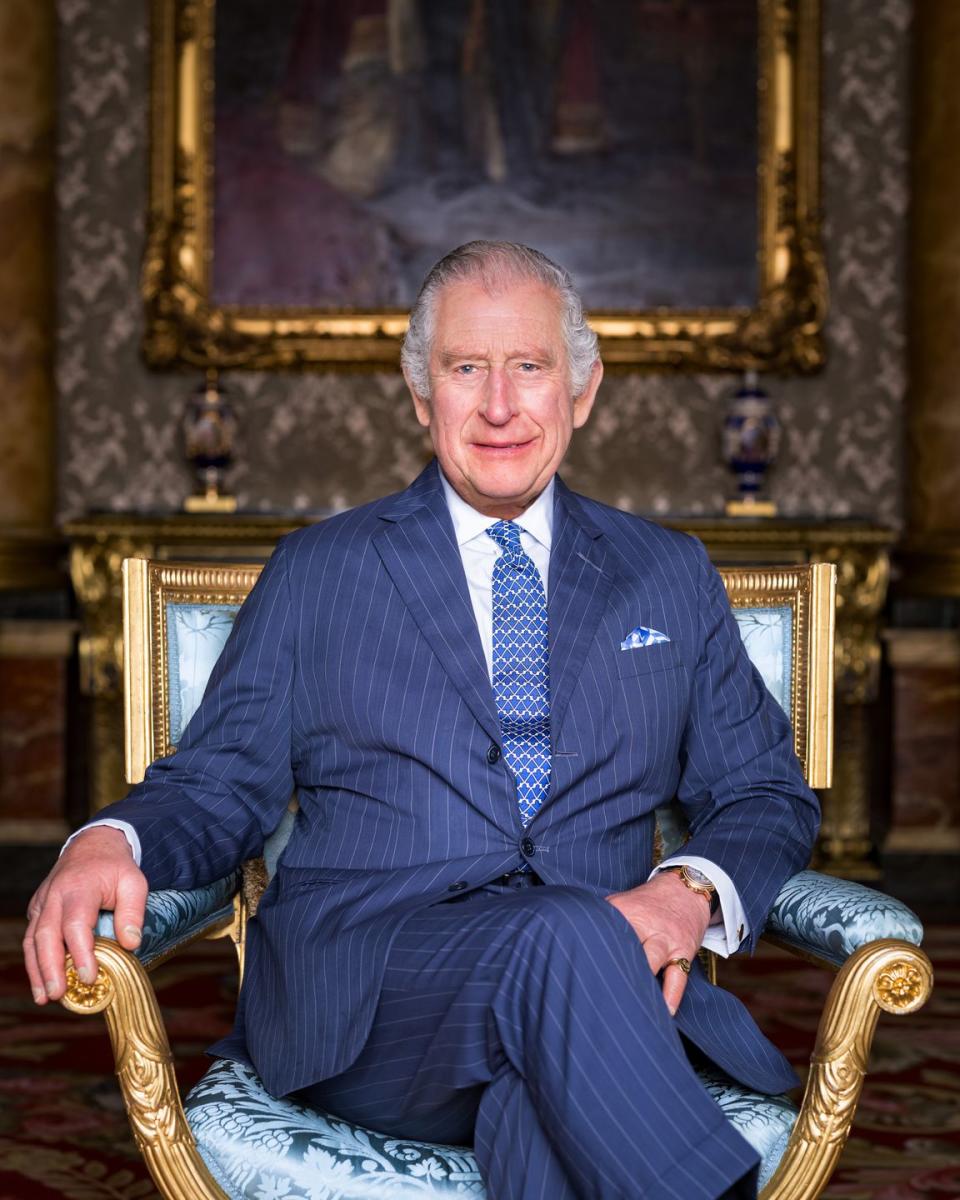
(697, 877)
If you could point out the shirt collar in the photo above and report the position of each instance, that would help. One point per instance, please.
(537, 520)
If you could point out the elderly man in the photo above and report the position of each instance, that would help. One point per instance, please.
(481, 689)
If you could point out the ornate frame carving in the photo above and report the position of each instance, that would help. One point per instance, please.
(783, 330)
(810, 591)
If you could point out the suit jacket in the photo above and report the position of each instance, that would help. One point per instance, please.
(355, 674)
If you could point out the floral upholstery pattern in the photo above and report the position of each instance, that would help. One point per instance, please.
(834, 917)
(766, 1122)
(767, 634)
(259, 1148)
(175, 917)
(196, 635)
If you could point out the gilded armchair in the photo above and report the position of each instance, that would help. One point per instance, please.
(229, 1138)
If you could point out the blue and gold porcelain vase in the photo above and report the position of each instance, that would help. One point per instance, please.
(751, 439)
(209, 432)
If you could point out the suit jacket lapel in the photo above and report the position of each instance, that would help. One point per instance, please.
(418, 549)
(581, 575)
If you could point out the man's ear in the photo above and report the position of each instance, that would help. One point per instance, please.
(421, 406)
(583, 404)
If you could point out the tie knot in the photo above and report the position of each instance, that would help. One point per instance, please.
(507, 536)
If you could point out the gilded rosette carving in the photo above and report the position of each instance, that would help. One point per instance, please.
(144, 1067)
(87, 997)
(887, 975)
(901, 988)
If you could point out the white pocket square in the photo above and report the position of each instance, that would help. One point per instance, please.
(642, 636)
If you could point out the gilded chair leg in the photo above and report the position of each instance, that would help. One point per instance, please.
(888, 975)
(123, 993)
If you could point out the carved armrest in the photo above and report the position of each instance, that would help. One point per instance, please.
(829, 919)
(873, 940)
(124, 994)
(881, 976)
(174, 919)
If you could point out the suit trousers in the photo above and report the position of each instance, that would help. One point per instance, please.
(525, 1021)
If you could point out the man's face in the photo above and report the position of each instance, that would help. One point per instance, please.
(501, 414)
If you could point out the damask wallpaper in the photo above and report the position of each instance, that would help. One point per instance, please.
(328, 440)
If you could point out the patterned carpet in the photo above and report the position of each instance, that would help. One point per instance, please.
(63, 1133)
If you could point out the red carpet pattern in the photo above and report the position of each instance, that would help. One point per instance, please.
(64, 1135)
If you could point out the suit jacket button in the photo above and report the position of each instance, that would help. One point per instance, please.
(493, 755)
(458, 886)
(527, 846)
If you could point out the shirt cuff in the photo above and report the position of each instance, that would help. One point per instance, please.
(728, 927)
(128, 831)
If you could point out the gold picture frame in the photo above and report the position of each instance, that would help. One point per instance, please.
(184, 325)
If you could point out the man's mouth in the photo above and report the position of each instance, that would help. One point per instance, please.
(505, 446)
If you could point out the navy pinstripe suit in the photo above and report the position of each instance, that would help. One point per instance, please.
(355, 674)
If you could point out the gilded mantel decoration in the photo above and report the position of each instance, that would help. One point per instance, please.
(291, 209)
(860, 550)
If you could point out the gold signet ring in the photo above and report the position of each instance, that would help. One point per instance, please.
(682, 963)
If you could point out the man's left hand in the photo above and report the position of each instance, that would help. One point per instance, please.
(670, 920)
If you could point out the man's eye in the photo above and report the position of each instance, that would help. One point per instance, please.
(466, 369)
(528, 368)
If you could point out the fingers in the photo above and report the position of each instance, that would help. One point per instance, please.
(65, 926)
(674, 985)
(668, 929)
(657, 948)
(95, 871)
(32, 964)
(130, 907)
(79, 916)
(661, 956)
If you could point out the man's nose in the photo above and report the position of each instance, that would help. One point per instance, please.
(498, 399)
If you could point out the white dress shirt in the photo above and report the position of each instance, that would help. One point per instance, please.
(478, 553)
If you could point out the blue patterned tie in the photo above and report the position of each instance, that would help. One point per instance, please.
(521, 680)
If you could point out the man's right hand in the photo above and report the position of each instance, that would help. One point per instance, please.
(95, 871)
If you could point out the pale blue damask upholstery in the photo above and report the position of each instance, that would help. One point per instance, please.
(196, 635)
(834, 917)
(174, 918)
(765, 1121)
(767, 634)
(257, 1147)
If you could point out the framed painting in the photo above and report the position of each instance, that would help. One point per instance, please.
(310, 165)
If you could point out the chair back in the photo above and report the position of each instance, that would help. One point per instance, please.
(176, 620)
(786, 619)
(177, 616)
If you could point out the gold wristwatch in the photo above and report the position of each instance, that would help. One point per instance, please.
(696, 881)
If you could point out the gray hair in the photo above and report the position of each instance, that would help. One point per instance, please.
(495, 264)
